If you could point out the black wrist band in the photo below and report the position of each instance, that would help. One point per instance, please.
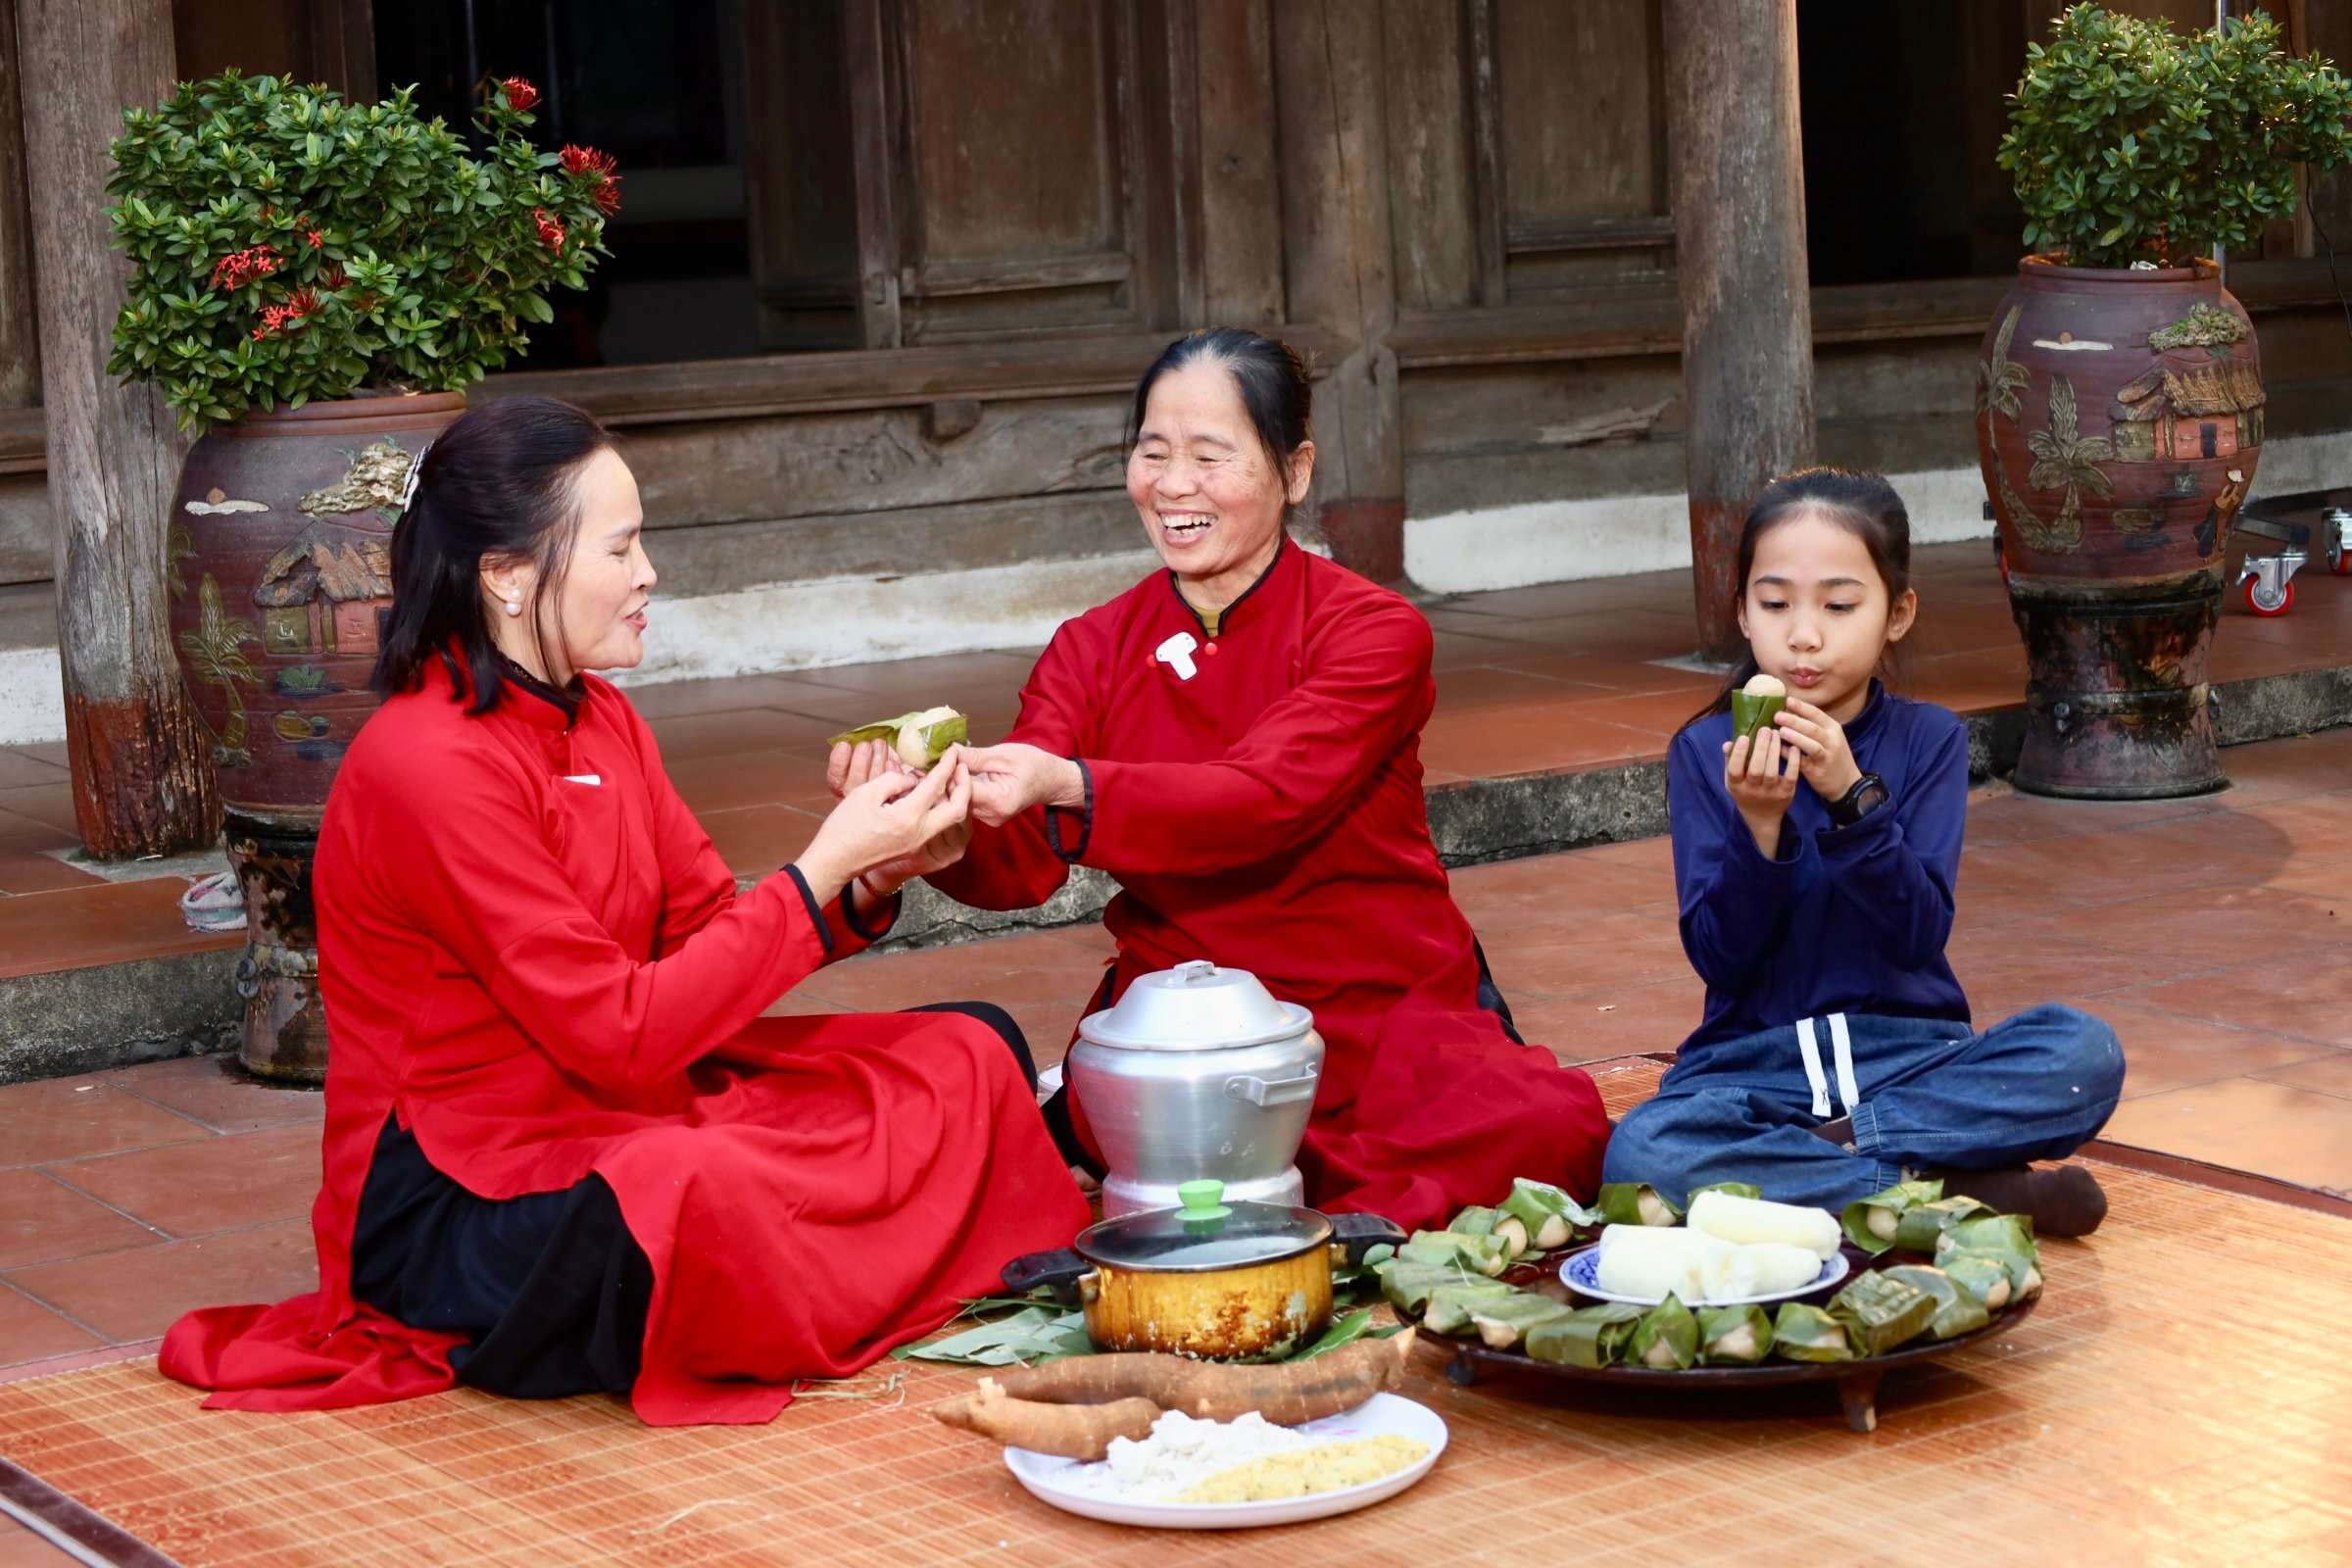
(1865, 796)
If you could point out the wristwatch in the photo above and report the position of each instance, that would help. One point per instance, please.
(1868, 794)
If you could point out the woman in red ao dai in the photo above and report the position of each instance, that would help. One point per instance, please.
(1237, 740)
(564, 1149)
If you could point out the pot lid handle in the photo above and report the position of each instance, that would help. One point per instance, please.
(1204, 1201)
(1194, 971)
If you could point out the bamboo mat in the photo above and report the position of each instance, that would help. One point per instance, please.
(2177, 1399)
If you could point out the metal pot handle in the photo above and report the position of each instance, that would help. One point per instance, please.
(1060, 1270)
(1276, 1092)
(1361, 1232)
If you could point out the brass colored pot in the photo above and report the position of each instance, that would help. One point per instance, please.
(1239, 1282)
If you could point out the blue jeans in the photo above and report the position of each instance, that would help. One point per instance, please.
(2036, 1086)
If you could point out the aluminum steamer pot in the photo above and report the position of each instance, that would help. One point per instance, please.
(1198, 1073)
(1221, 1282)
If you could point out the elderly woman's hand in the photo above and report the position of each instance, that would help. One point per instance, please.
(1010, 779)
(891, 818)
(850, 766)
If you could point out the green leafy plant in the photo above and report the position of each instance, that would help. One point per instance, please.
(2131, 143)
(287, 245)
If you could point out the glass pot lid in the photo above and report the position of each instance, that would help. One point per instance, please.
(1194, 1007)
(1205, 1235)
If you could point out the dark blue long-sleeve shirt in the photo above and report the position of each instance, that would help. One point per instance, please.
(1844, 919)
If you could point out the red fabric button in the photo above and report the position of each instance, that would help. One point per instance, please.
(1210, 649)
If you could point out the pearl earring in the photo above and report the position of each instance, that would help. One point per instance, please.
(515, 607)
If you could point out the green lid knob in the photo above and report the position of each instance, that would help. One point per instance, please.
(1201, 1200)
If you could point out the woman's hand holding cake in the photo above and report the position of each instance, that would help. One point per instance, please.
(888, 826)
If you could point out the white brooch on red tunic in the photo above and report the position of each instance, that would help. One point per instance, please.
(1177, 654)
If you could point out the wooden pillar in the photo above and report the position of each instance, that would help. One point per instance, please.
(1330, 71)
(142, 779)
(1737, 172)
(19, 336)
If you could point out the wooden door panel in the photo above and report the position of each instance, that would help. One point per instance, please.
(1012, 130)
(1030, 176)
(1580, 142)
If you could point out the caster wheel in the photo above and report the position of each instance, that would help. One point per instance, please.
(2340, 562)
(2263, 605)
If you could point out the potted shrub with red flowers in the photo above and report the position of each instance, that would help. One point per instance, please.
(2119, 392)
(314, 283)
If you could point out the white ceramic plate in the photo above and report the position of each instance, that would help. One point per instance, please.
(1054, 1481)
(1580, 1272)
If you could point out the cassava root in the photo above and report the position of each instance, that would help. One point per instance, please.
(1285, 1392)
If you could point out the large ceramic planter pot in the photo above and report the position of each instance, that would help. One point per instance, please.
(281, 576)
(2119, 418)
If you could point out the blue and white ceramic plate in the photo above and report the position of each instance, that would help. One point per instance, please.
(1581, 1273)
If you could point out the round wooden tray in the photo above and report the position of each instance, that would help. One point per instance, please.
(1857, 1380)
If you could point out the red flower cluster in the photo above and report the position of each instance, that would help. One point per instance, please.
(315, 237)
(520, 94)
(277, 317)
(588, 161)
(550, 231)
(243, 267)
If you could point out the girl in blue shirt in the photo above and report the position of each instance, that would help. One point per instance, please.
(1815, 866)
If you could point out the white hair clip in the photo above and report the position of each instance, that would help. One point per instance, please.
(408, 487)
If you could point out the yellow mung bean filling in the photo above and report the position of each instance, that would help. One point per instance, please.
(1325, 1467)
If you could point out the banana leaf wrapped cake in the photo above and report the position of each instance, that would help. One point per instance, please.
(1802, 1332)
(1757, 703)
(1666, 1340)
(1733, 1336)
(1881, 1314)
(1871, 1223)
(920, 739)
(1591, 1337)
(1985, 1262)
(1956, 1311)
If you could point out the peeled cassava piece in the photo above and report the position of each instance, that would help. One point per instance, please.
(920, 739)
(1753, 1219)
(1735, 1189)
(1755, 704)
(1653, 1262)
(1781, 1267)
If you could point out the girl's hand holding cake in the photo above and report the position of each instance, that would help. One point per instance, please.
(1819, 742)
(1756, 772)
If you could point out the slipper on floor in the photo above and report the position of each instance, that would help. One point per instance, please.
(214, 903)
